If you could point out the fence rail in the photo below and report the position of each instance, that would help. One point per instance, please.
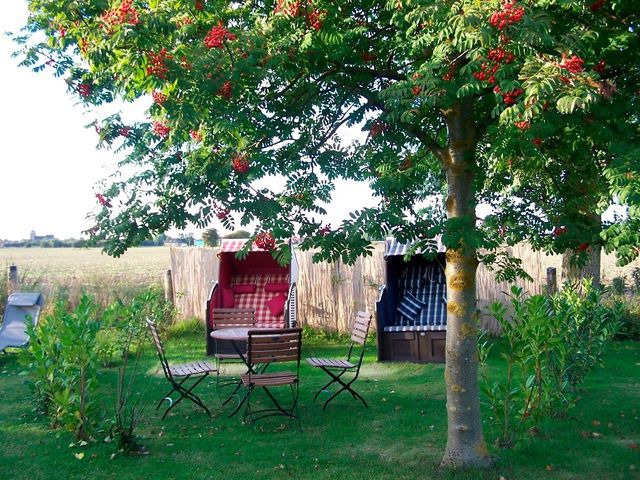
(330, 294)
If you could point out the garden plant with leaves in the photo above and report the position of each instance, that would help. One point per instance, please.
(247, 95)
(549, 346)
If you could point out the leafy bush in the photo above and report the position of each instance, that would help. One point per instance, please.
(551, 343)
(69, 345)
(619, 285)
(63, 365)
(630, 321)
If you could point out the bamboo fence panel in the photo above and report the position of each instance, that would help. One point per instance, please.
(329, 295)
(193, 270)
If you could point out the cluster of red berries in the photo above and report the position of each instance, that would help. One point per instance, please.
(523, 125)
(377, 128)
(124, 131)
(84, 89)
(600, 66)
(500, 55)
(241, 163)
(222, 212)
(537, 142)
(325, 230)
(62, 31)
(185, 63)
(597, 5)
(196, 136)
(575, 64)
(265, 241)
(559, 231)
(125, 14)
(509, 13)
(315, 19)
(487, 72)
(509, 98)
(295, 9)
(83, 45)
(158, 97)
(157, 63)
(451, 72)
(184, 21)
(102, 200)
(199, 5)
(226, 89)
(416, 90)
(161, 129)
(497, 56)
(582, 247)
(217, 35)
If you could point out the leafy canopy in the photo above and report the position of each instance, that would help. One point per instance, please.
(247, 93)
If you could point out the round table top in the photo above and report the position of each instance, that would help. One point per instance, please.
(233, 333)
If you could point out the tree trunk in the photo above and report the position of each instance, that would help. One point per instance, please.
(591, 269)
(465, 442)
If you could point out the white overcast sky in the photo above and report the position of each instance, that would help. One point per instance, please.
(48, 160)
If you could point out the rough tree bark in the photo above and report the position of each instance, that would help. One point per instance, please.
(465, 441)
(591, 269)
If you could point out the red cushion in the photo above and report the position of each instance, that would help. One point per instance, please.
(244, 288)
(228, 299)
(276, 287)
(276, 304)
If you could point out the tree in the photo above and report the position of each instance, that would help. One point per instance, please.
(211, 237)
(247, 91)
(238, 234)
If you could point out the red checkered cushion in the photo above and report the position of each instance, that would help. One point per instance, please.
(258, 300)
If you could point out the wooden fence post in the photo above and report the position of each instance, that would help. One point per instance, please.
(12, 279)
(552, 286)
(168, 287)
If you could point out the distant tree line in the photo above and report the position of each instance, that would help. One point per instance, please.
(160, 240)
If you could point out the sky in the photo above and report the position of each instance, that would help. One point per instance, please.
(49, 164)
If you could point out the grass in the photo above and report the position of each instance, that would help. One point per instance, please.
(400, 436)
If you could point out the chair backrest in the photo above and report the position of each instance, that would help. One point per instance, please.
(159, 348)
(359, 332)
(233, 317)
(274, 345)
(23, 308)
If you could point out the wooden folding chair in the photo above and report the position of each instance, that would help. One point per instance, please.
(224, 350)
(265, 347)
(336, 368)
(177, 375)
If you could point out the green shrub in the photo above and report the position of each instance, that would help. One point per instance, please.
(630, 321)
(551, 343)
(619, 285)
(63, 364)
(69, 345)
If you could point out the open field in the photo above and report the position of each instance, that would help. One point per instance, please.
(57, 263)
(68, 271)
(401, 436)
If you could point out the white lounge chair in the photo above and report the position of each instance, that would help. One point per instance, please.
(22, 309)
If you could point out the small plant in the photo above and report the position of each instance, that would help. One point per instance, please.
(551, 344)
(63, 365)
(619, 285)
(630, 321)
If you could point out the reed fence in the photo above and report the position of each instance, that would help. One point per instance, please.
(329, 294)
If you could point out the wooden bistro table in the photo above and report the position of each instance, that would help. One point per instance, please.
(238, 336)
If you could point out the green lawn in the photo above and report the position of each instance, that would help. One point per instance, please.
(400, 436)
